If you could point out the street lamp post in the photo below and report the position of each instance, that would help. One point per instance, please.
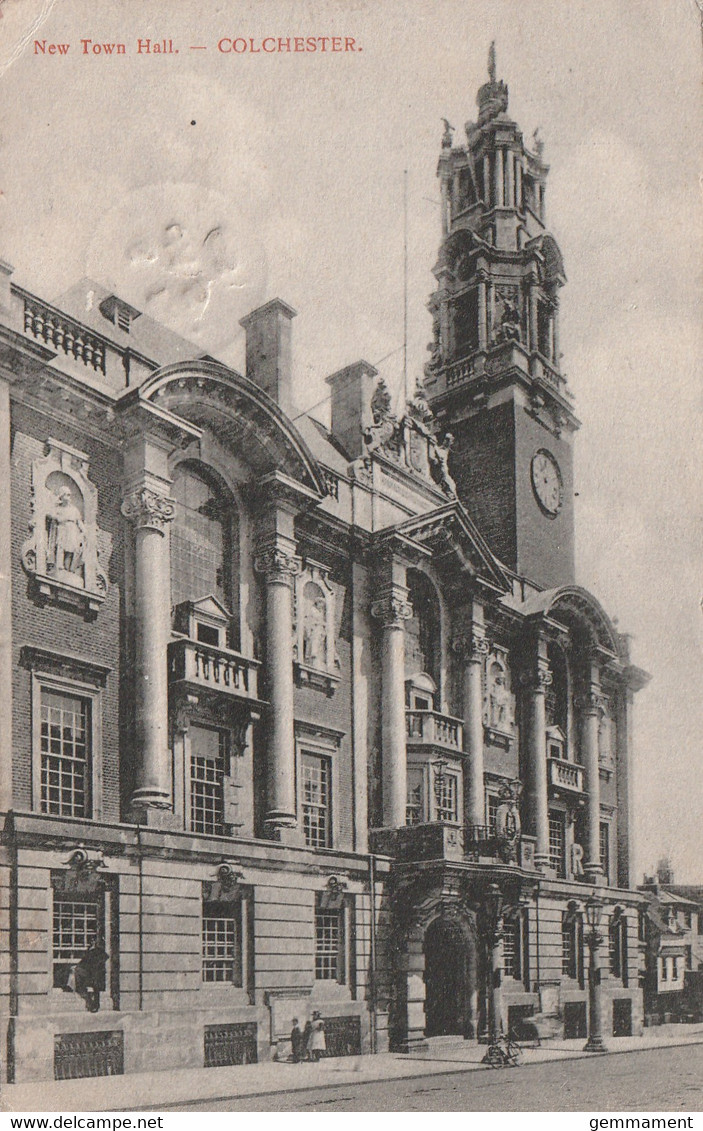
(594, 913)
(494, 907)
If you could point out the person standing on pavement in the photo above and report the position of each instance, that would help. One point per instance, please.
(297, 1043)
(317, 1044)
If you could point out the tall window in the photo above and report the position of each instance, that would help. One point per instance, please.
(493, 801)
(446, 788)
(209, 755)
(422, 630)
(617, 945)
(557, 840)
(65, 754)
(222, 942)
(512, 947)
(201, 542)
(604, 833)
(75, 927)
(333, 957)
(316, 800)
(572, 945)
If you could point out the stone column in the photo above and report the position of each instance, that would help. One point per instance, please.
(518, 183)
(590, 704)
(538, 680)
(6, 665)
(498, 179)
(472, 648)
(487, 180)
(445, 196)
(278, 562)
(556, 347)
(510, 179)
(393, 609)
(151, 511)
(482, 277)
(532, 281)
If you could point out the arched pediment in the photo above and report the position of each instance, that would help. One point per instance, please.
(240, 414)
(574, 606)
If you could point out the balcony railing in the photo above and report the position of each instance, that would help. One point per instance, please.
(64, 334)
(566, 775)
(439, 841)
(430, 728)
(217, 669)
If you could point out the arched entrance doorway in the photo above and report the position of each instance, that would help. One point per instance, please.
(450, 976)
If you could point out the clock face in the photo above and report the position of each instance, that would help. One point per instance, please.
(546, 482)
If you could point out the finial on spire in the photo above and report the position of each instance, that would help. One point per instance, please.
(492, 61)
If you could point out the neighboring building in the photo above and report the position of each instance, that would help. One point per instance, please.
(672, 932)
(282, 703)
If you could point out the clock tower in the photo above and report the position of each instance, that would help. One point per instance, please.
(494, 376)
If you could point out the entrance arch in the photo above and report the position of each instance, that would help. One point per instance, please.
(450, 980)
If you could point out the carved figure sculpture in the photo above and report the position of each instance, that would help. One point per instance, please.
(314, 628)
(65, 544)
(439, 463)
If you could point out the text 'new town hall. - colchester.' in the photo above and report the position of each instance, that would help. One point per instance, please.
(300, 718)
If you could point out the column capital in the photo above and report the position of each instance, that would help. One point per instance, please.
(148, 510)
(471, 646)
(591, 701)
(277, 559)
(537, 680)
(392, 607)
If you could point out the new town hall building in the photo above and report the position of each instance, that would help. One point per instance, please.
(286, 708)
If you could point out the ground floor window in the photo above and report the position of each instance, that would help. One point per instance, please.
(572, 945)
(512, 947)
(222, 941)
(334, 944)
(617, 943)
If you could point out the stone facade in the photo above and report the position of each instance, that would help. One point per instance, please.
(283, 704)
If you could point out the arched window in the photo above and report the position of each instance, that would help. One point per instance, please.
(422, 631)
(202, 539)
(557, 698)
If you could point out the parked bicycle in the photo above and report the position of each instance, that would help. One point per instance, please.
(505, 1052)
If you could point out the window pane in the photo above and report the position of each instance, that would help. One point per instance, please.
(221, 943)
(199, 540)
(65, 754)
(328, 940)
(208, 763)
(556, 843)
(316, 771)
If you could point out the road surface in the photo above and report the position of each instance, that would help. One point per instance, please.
(654, 1080)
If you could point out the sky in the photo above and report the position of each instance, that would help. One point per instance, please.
(198, 184)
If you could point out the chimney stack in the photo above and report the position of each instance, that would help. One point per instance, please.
(352, 389)
(268, 350)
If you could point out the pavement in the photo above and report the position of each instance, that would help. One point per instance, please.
(164, 1091)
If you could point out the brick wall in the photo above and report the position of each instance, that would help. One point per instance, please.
(58, 629)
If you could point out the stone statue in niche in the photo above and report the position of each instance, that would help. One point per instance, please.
(61, 553)
(506, 315)
(65, 532)
(498, 714)
(314, 626)
(314, 650)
